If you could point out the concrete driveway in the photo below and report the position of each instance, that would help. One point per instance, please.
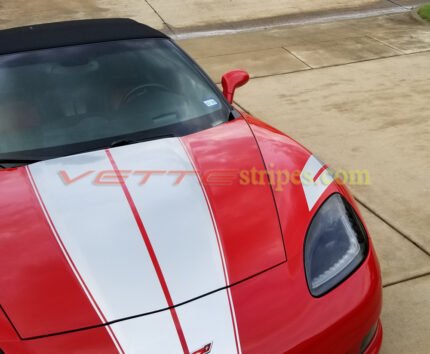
(356, 92)
(179, 16)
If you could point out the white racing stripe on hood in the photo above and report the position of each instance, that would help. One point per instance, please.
(176, 218)
(100, 234)
(104, 243)
(204, 321)
(208, 320)
(180, 228)
(147, 335)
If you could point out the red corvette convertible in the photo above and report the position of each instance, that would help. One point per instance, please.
(142, 213)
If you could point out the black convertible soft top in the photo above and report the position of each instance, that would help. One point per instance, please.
(60, 34)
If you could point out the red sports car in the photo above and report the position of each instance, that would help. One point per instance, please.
(142, 213)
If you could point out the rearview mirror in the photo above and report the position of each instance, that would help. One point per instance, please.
(231, 81)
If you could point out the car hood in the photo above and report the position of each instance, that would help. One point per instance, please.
(108, 235)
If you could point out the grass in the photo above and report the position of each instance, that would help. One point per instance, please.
(424, 12)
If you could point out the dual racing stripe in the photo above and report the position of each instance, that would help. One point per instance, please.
(138, 249)
(315, 178)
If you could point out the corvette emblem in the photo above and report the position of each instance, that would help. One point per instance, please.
(205, 350)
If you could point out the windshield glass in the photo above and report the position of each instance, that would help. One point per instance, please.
(61, 101)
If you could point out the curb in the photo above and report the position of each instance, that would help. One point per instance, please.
(414, 14)
(282, 22)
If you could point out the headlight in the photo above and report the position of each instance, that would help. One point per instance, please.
(336, 244)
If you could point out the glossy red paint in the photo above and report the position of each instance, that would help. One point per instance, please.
(91, 341)
(39, 289)
(376, 342)
(231, 81)
(282, 317)
(291, 320)
(250, 234)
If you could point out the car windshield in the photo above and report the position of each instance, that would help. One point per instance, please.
(61, 101)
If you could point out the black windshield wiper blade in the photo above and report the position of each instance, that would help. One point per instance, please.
(123, 142)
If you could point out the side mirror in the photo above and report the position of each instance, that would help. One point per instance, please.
(231, 81)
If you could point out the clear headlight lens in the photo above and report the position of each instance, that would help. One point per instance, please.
(336, 244)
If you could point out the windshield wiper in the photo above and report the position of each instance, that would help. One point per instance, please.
(16, 162)
(123, 142)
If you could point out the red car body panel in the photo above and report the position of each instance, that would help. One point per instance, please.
(282, 317)
(376, 342)
(262, 232)
(38, 286)
(334, 323)
(219, 155)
